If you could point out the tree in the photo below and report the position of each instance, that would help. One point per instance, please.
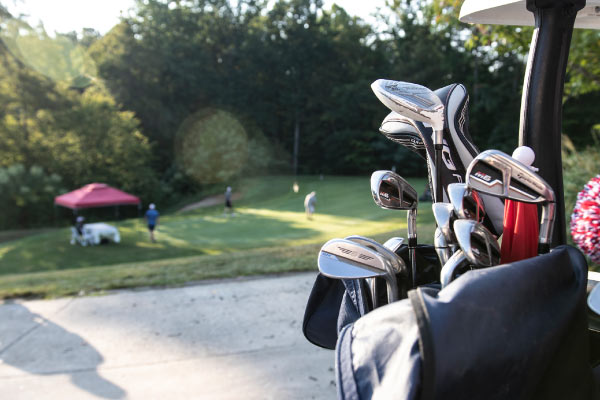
(27, 195)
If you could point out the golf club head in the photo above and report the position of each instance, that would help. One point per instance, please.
(444, 217)
(397, 262)
(498, 174)
(466, 203)
(403, 130)
(453, 267)
(393, 192)
(394, 243)
(344, 259)
(478, 244)
(411, 100)
(441, 246)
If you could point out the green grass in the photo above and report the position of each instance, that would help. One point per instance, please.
(269, 234)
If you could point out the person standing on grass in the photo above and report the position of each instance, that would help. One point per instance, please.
(79, 225)
(152, 220)
(309, 204)
(228, 205)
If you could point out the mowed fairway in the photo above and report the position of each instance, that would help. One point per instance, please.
(269, 216)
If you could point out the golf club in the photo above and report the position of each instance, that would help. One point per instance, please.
(402, 130)
(477, 243)
(466, 203)
(392, 192)
(441, 246)
(453, 267)
(444, 217)
(421, 104)
(498, 174)
(345, 259)
(396, 262)
(394, 243)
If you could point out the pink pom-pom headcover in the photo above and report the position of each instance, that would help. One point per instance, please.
(585, 220)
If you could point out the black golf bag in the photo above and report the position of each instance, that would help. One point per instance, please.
(514, 331)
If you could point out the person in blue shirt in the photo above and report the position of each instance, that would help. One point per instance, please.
(152, 220)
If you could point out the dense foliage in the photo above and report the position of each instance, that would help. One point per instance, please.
(182, 94)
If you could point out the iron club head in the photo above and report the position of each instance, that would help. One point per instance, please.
(466, 203)
(498, 174)
(444, 217)
(478, 244)
(455, 265)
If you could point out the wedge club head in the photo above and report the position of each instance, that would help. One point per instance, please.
(345, 259)
(396, 262)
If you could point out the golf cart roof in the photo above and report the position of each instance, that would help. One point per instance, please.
(514, 12)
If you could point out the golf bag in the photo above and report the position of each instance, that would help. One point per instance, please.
(459, 149)
(335, 303)
(514, 331)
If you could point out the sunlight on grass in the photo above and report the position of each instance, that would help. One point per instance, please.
(268, 234)
(5, 249)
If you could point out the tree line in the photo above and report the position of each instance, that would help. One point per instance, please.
(181, 95)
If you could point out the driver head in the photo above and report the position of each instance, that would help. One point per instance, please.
(478, 244)
(411, 100)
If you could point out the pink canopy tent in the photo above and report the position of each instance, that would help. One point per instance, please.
(95, 195)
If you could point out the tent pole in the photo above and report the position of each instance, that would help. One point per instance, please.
(541, 104)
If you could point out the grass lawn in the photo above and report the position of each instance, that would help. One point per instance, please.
(268, 234)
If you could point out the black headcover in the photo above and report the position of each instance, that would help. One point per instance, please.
(459, 149)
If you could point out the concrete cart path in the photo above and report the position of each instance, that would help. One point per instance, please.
(234, 339)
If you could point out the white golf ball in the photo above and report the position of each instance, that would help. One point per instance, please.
(524, 154)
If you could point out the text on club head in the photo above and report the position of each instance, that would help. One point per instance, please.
(483, 176)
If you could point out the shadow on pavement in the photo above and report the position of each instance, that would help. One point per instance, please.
(58, 349)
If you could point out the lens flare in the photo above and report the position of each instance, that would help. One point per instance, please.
(211, 146)
(59, 58)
